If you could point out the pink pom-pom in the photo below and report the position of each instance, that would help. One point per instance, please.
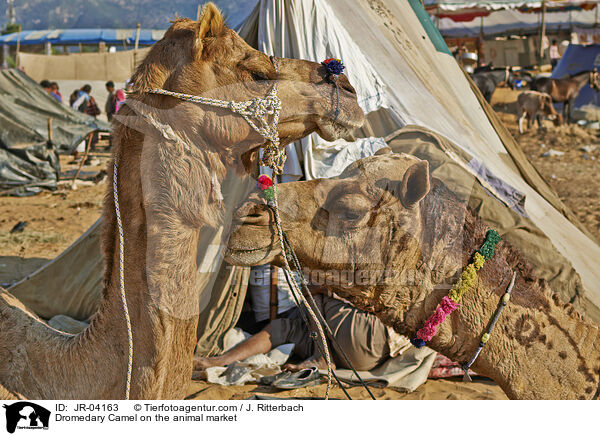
(447, 305)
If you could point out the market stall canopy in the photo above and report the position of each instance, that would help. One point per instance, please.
(459, 19)
(469, 10)
(83, 36)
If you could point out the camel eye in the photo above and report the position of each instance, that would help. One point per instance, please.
(259, 75)
(351, 215)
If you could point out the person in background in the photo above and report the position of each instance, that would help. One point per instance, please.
(114, 101)
(82, 101)
(46, 85)
(55, 92)
(554, 54)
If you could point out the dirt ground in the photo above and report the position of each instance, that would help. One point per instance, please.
(56, 219)
(573, 175)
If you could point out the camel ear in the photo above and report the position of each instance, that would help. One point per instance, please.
(384, 150)
(211, 22)
(415, 184)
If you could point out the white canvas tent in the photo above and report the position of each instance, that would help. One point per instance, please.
(406, 79)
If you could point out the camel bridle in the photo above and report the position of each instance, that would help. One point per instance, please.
(262, 114)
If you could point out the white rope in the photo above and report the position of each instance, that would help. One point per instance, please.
(122, 282)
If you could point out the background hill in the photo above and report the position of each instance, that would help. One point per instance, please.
(152, 14)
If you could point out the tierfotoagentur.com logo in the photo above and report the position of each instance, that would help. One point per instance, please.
(24, 415)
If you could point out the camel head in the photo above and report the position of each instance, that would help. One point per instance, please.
(206, 58)
(347, 231)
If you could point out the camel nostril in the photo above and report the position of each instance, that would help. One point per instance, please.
(257, 214)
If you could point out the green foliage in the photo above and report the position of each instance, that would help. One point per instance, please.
(10, 28)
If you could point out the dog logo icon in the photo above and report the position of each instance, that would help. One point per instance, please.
(26, 415)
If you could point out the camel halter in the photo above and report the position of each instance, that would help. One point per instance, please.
(256, 112)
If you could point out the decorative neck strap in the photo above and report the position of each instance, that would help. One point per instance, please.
(450, 302)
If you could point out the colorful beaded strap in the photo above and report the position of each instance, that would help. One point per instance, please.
(450, 302)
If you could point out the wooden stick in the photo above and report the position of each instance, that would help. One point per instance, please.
(85, 156)
(274, 297)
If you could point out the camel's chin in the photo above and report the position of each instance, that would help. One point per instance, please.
(330, 131)
(250, 257)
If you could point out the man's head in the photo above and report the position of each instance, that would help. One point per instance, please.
(110, 86)
(54, 86)
(46, 85)
(86, 88)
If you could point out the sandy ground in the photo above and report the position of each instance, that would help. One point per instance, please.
(57, 219)
(575, 175)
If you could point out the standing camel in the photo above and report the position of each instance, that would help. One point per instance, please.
(172, 156)
(567, 89)
(392, 241)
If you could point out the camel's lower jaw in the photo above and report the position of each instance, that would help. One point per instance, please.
(331, 130)
(253, 257)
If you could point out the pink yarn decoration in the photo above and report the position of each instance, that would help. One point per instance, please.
(445, 308)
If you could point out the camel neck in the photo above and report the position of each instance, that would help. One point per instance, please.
(160, 276)
(540, 347)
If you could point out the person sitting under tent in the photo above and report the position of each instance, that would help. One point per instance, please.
(114, 101)
(365, 340)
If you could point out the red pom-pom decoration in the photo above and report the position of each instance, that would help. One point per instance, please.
(264, 182)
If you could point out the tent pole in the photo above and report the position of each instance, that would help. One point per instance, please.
(542, 33)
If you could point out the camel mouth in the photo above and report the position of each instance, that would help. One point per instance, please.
(250, 256)
(332, 130)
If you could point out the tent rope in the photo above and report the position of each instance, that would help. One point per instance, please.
(122, 282)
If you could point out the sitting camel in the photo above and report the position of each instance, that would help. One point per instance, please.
(172, 156)
(393, 241)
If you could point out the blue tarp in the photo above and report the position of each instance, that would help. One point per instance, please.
(83, 36)
(576, 59)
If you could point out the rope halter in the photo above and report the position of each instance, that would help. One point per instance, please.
(262, 114)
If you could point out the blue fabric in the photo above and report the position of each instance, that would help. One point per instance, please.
(76, 36)
(576, 59)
